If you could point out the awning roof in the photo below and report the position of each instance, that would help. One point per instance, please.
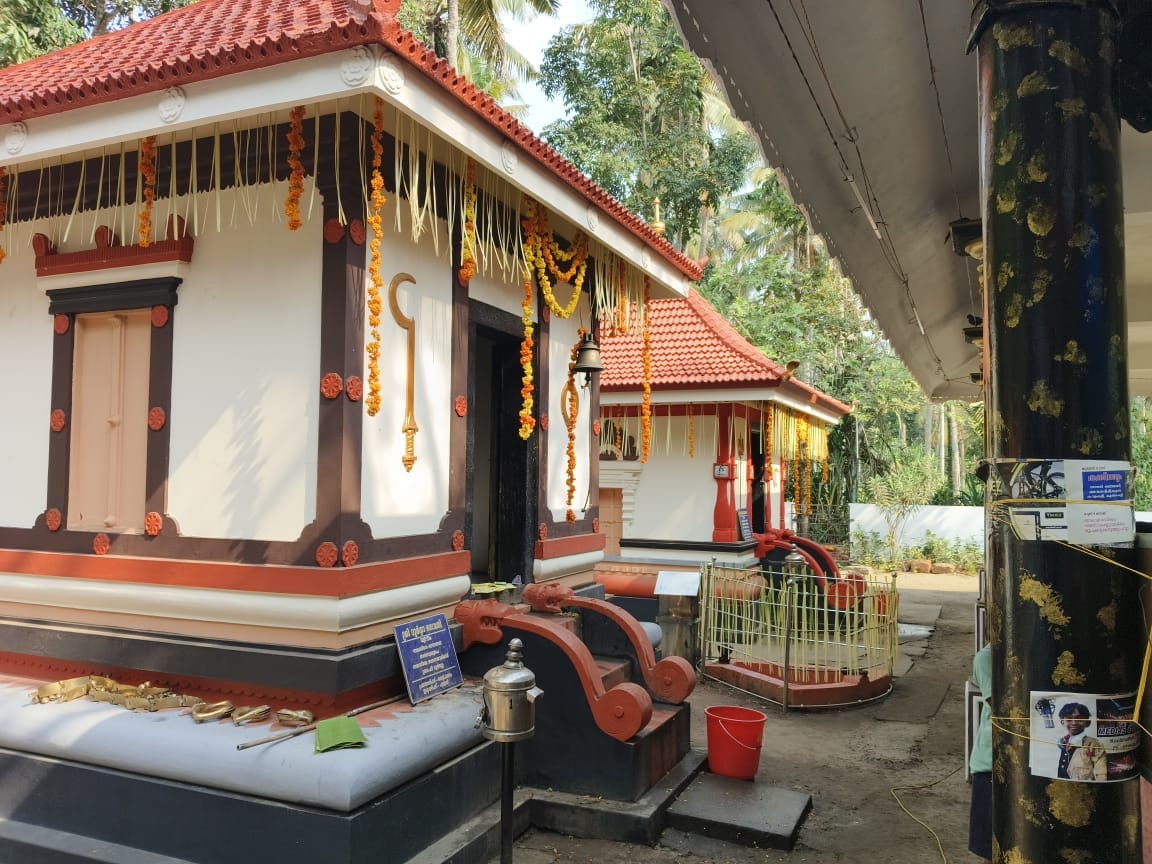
(841, 98)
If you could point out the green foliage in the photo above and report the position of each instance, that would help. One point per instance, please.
(636, 120)
(484, 55)
(908, 485)
(1140, 415)
(872, 548)
(29, 28)
(97, 17)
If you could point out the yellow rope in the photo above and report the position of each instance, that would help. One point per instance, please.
(925, 825)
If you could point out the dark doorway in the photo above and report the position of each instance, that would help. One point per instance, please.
(759, 472)
(502, 470)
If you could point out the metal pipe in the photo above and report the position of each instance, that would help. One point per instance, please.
(507, 787)
(787, 638)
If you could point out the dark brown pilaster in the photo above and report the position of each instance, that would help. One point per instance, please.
(341, 428)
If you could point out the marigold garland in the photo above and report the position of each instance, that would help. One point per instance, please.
(569, 410)
(541, 252)
(691, 434)
(375, 280)
(824, 472)
(805, 502)
(3, 205)
(646, 404)
(467, 254)
(769, 412)
(148, 172)
(807, 486)
(527, 421)
(296, 177)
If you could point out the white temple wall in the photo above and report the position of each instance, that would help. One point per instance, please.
(676, 494)
(397, 502)
(245, 380)
(26, 382)
(562, 335)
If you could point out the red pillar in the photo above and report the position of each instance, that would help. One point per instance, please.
(724, 514)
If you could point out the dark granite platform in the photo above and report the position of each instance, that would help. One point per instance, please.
(740, 811)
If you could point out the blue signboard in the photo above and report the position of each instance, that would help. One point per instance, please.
(745, 524)
(428, 657)
(1104, 485)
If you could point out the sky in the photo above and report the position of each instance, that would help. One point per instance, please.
(530, 39)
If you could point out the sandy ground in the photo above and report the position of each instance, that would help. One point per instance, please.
(850, 761)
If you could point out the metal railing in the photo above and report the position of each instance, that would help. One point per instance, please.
(798, 627)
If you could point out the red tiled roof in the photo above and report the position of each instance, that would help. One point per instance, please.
(694, 347)
(212, 38)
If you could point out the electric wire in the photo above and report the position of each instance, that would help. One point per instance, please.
(947, 144)
(887, 247)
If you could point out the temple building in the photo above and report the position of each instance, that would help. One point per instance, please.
(290, 318)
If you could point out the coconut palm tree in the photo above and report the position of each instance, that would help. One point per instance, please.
(469, 34)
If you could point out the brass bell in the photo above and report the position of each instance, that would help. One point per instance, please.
(588, 357)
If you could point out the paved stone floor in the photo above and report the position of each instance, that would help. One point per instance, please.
(849, 760)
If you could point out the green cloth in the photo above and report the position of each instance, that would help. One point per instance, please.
(336, 733)
(981, 757)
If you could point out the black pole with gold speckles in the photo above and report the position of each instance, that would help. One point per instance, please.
(1060, 620)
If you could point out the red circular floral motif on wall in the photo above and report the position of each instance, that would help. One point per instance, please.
(101, 544)
(595, 427)
(353, 388)
(544, 421)
(331, 385)
(457, 541)
(326, 554)
(357, 232)
(159, 316)
(461, 406)
(596, 525)
(53, 519)
(156, 419)
(57, 421)
(350, 554)
(153, 523)
(61, 323)
(545, 314)
(333, 231)
(543, 531)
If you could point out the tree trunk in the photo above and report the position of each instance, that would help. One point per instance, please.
(942, 441)
(452, 35)
(957, 450)
(928, 429)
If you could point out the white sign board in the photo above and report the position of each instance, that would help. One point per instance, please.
(681, 583)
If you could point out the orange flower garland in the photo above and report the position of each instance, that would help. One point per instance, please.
(691, 434)
(807, 486)
(296, 178)
(148, 172)
(824, 473)
(769, 411)
(527, 421)
(569, 409)
(467, 255)
(3, 205)
(541, 253)
(375, 280)
(646, 404)
(805, 465)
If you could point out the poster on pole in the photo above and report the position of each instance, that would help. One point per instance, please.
(1081, 501)
(1083, 737)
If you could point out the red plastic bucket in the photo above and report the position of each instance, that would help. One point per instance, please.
(734, 738)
